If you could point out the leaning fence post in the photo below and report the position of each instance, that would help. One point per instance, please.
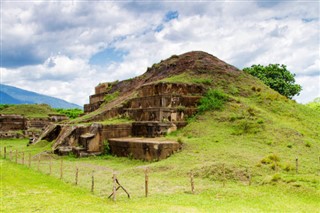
(146, 181)
(297, 165)
(192, 182)
(114, 186)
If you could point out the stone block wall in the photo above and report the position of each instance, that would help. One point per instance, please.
(12, 122)
(170, 88)
(164, 101)
(116, 131)
(38, 123)
(160, 114)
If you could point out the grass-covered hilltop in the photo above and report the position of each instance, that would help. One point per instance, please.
(248, 149)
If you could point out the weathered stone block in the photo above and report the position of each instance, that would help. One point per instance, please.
(141, 148)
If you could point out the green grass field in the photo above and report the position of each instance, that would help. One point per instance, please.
(169, 185)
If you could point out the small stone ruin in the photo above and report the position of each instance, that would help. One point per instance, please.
(18, 126)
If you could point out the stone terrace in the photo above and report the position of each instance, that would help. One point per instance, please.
(158, 109)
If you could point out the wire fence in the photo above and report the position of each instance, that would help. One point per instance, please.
(106, 182)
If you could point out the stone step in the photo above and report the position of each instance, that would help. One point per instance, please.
(143, 148)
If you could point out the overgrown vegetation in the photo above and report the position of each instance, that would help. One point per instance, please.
(213, 100)
(110, 97)
(70, 113)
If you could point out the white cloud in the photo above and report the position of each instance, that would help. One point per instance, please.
(47, 46)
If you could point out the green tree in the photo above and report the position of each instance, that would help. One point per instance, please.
(276, 77)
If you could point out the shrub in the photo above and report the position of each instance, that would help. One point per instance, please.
(270, 159)
(287, 167)
(212, 100)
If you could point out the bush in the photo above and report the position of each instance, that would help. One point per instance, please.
(270, 159)
(212, 100)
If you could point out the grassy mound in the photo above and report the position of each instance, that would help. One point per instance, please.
(29, 110)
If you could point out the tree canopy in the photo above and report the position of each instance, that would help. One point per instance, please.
(277, 77)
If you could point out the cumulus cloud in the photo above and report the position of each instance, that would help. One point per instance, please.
(65, 48)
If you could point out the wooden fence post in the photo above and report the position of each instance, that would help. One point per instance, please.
(5, 152)
(92, 182)
(16, 156)
(61, 169)
(297, 165)
(10, 155)
(114, 186)
(146, 181)
(192, 182)
(77, 173)
(29, 160)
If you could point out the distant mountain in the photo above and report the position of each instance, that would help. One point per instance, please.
(14, 95)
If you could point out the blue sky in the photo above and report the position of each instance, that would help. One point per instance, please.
(65, 48)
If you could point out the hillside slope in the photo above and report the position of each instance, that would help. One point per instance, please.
(14, 95)
(257, 129)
